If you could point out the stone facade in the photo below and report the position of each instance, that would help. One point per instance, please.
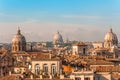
(49, 66)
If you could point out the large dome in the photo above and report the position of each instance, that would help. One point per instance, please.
(57, 39)
(18, 38)
(110, 39)
(18, 42)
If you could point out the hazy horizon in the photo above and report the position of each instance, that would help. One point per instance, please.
(77, 20)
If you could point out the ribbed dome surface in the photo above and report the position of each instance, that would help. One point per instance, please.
(18, 38)
(110, 39)
(110, 36)
(57, 38)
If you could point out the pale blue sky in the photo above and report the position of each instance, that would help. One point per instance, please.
(84, 20)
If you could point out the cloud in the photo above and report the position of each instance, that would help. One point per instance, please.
(35, 30)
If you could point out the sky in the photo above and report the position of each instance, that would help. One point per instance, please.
(39, 20)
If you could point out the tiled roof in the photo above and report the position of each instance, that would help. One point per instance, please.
(108, 69)
(101, 49)
(49, 79)
(100, 62)
(8, 78)
(42, 56)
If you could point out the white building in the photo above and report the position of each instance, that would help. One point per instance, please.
(46, 67)
(82, 75)
(79, 48)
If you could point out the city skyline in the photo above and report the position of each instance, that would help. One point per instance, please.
(75, 19)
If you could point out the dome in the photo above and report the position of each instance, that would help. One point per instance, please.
(57, 39)
(110, 39)
(18, 42)
(18, 38)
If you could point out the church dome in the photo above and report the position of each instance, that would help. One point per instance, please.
(18, 42)
(18, 37)
(57, 39)
(110, 39)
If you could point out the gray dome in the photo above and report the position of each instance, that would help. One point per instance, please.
(110, 39)
(57, 39)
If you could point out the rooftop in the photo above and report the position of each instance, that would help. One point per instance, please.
(79, 44)
(108, 69)
(100, 62)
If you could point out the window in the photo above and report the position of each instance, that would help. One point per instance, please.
(53, 68)
(77, 78)
(37, 69)
(45, 68)
(84, 51)
(87, 78)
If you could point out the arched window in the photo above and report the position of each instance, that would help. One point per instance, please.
(37, 69)
(45, 68)
(53, 68)
(84, 51)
